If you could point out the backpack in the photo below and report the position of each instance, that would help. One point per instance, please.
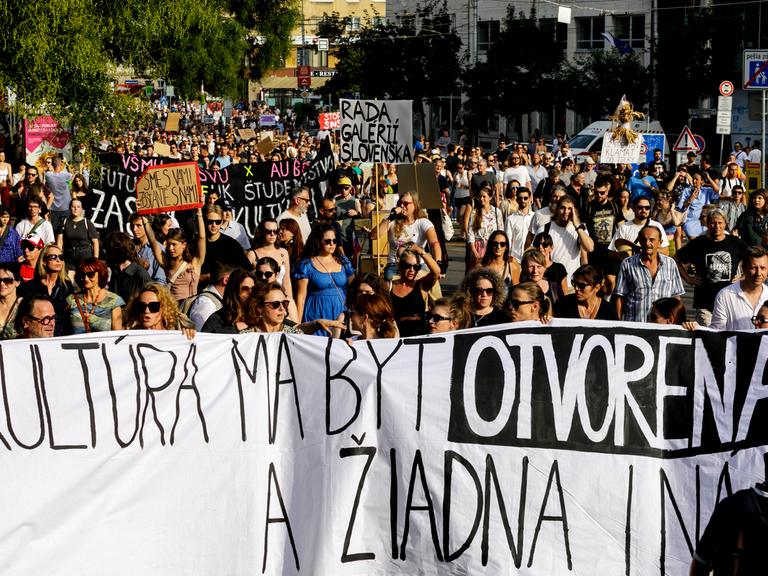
(185, 306)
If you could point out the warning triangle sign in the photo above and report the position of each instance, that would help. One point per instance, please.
(686, 142)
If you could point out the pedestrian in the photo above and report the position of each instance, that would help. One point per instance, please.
(737, 303)
(36, 317)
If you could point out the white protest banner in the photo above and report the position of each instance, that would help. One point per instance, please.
(168, 187)
(376, 131)
(619, 151)
(574, 448)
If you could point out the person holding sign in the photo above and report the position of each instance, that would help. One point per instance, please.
(182, 269)
(407, 223)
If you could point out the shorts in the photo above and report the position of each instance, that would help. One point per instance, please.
(459, 202)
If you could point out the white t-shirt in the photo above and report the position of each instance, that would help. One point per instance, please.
(540, 219)
(537, 174)
(516, 227)
(629, 231)
(565, 247)
(754, 155)
(461, 185)
(416, 233)
(519, 173)
(44, 230)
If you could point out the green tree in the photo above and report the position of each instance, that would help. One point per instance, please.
(60, 56)
(416, 59)
(519, 74)
(593, 85)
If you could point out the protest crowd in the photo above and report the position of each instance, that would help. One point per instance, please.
(546, 235)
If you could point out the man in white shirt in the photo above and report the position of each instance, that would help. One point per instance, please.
(755, 155)
(536, 170)
(737, 303)
(570, 240)
(518, 172)
(297, 210)
(212, 298)
(518, 223)
(628, 230)
(543, 216)
(35, 224)
(741, 156)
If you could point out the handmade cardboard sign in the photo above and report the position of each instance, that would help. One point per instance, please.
(172, 122)
(168, 187)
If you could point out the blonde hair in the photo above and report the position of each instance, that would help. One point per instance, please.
(169, 308)
(40, 271)
(417, 210)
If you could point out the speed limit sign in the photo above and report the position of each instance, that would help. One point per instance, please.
(726, 88)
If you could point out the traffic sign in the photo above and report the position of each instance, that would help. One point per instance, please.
(700, 143)
(726, 88)
(304, 76)
(686, 142)
(701, 112)
(724, 114)
(323, 44)
(755, 69)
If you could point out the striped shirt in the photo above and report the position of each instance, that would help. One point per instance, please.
(639, 291)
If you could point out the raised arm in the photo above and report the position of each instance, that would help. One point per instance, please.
(199, 258)
(156, 248)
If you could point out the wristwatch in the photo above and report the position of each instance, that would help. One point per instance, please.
(581, 226)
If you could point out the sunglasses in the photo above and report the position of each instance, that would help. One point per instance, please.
(579, 285)
(53, 257)
(7, 281)
(210, 222)
(498, 244)
(514, 303)
(643, 207)
(542, 244)
(153, 307)
(757, 320)
(404, 203)
(263, 275)
(89, 273)
(414, 267)
(29, 246)
(483, 291)
(329, 241)
(277, 304)
(270, 231)
(435, 318)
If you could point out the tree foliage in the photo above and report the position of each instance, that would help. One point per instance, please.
(521, 68)
(61, 56)
(593, 85)
(411, 59)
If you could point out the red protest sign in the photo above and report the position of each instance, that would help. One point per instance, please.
(329, 121)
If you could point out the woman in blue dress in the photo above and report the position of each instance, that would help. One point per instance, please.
(322, 276)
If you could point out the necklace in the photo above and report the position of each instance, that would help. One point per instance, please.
(591, 311)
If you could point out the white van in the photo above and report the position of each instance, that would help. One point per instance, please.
(589, 142)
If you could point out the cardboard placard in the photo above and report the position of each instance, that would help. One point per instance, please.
(168, 187)
(422, 179)
(265, 146)
(264, 134)
(172, 122)
(162, 149)
(247, 133)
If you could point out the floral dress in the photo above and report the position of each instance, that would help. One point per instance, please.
(98, 316)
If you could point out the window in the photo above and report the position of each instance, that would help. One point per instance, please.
(589, 33)
(631, 29)
(487, 34)
(379, 21)
(354, 24)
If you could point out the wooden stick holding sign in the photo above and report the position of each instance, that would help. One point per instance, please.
(169, 187)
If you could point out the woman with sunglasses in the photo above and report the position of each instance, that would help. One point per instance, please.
(322, 276)
(484, 289)
(265, 245)
(408, 222)
(229, 319)
(409, 292)
(154, 308)
(587, 301)
(266, 310)
(94, 308)
(527, 302)
(10, 241)
(9, 299)
(182, 269)
(449, 314)
(52, 280)
(733, 206)
(498, 258)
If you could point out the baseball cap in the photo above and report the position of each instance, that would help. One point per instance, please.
(34, 240)
(344, 181)
(589, 160)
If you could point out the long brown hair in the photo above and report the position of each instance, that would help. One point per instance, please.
(380, 313)
(296, 247)
(418, 212)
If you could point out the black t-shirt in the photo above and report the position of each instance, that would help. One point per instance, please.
(601, 220)
(568, 307)
(494, 317)
(477, 181)
(734, 539)
(226, 250)
(502, 155)
(716, 264)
